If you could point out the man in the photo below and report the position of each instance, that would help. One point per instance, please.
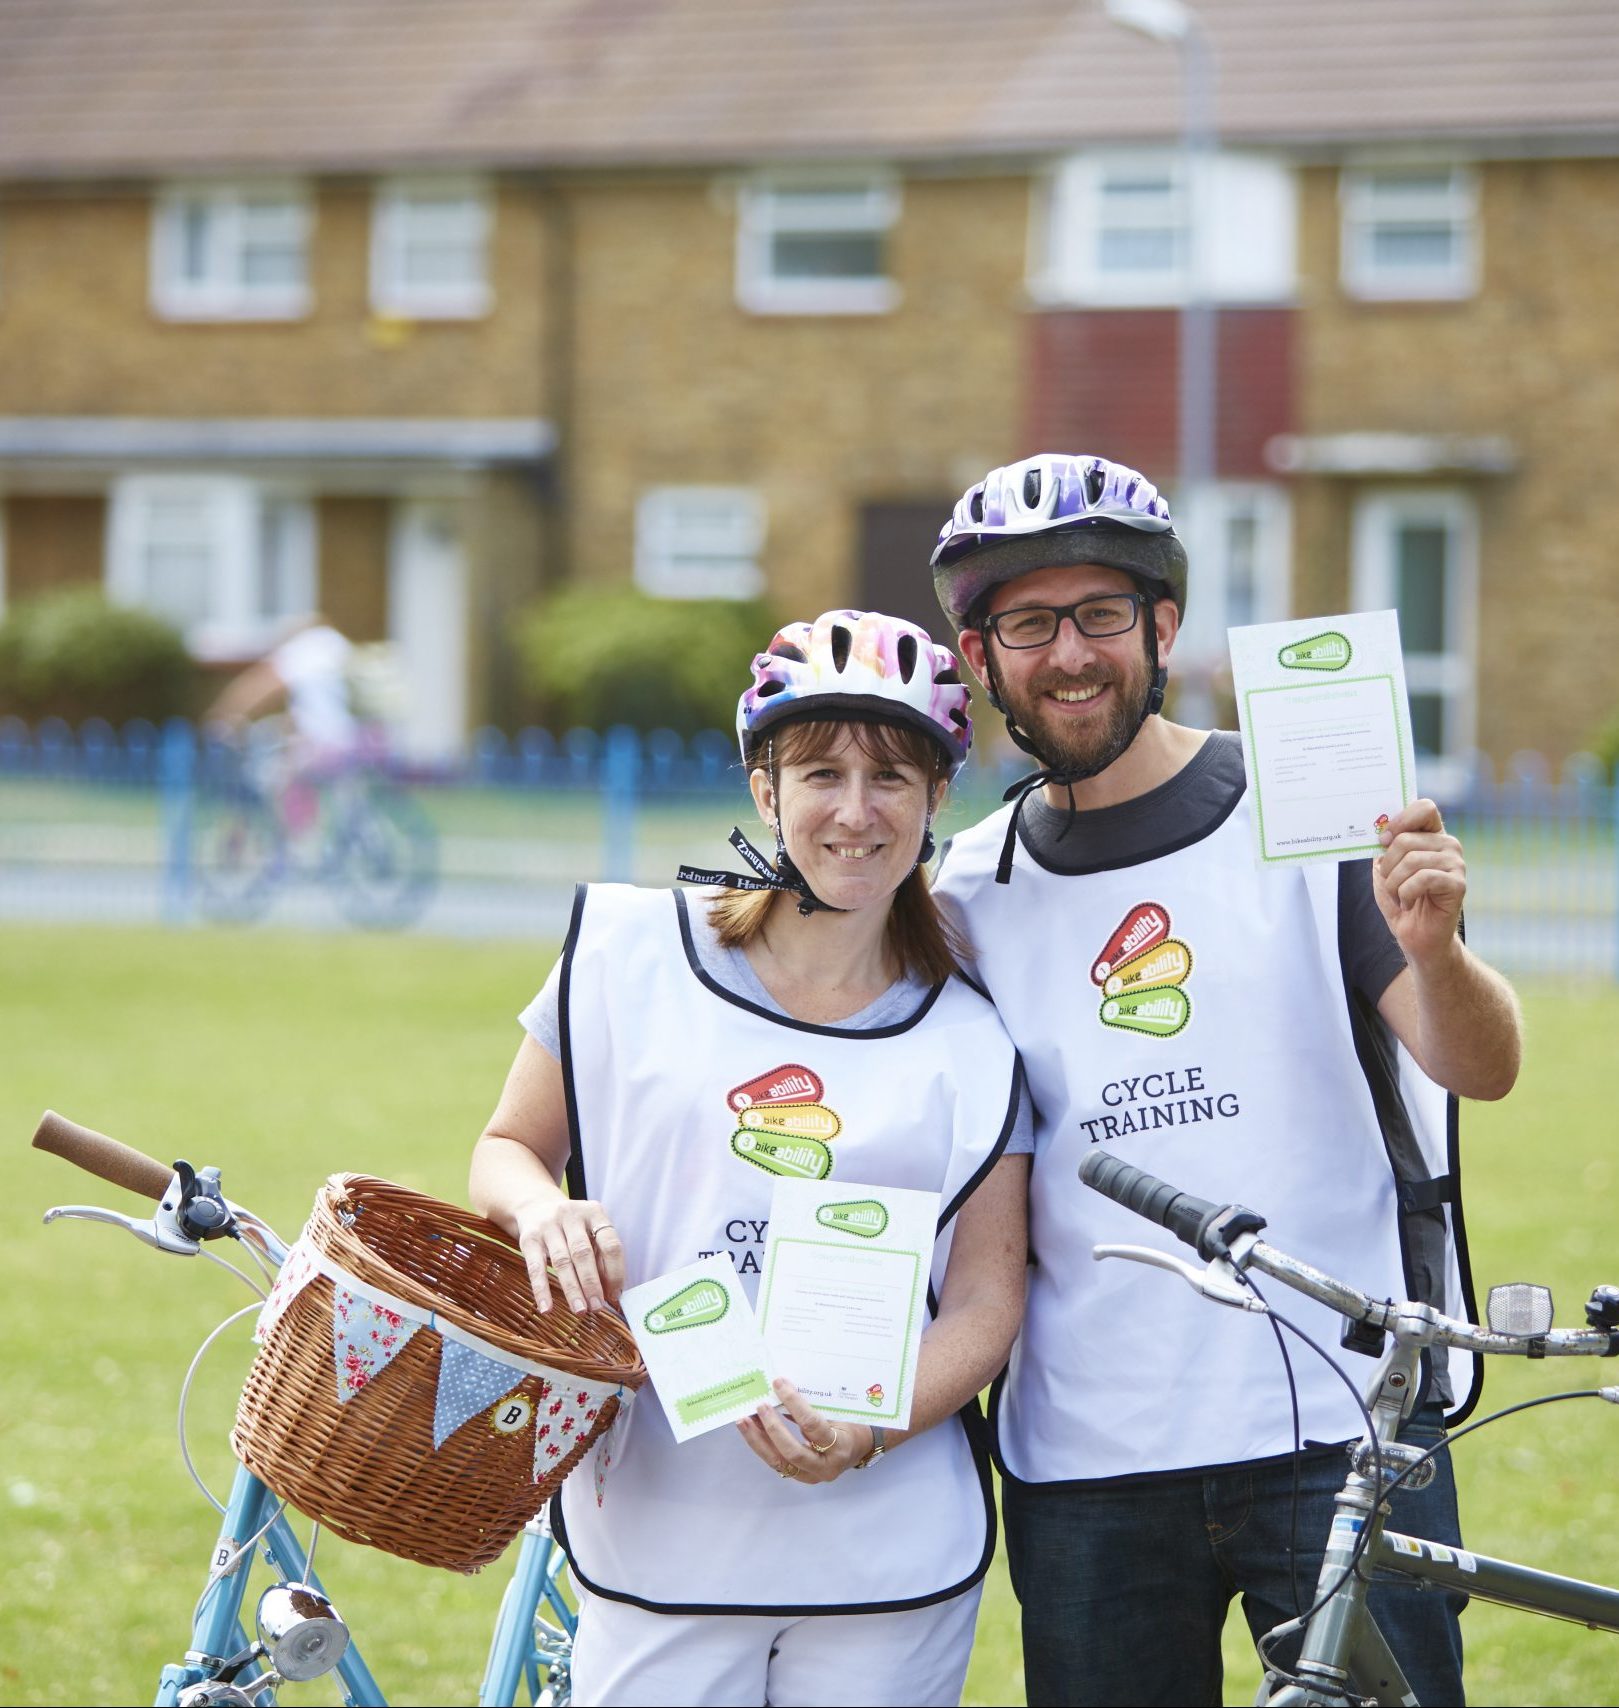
(1300, 1027)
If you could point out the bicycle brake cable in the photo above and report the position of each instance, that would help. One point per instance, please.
(185, 1394)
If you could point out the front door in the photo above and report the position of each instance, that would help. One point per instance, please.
(427, 624)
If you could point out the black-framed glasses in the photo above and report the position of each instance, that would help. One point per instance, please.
(1036, 625)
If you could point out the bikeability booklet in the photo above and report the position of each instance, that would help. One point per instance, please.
(702, 1346)
(843, 1295)
(1326, 733)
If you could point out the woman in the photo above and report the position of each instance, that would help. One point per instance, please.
(752, 1566)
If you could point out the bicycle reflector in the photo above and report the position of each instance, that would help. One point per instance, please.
(300, 1630)
(1519, 1307)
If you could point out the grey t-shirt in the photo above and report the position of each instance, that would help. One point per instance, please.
(733, 972)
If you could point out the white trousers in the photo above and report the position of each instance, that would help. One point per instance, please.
(625, 1657)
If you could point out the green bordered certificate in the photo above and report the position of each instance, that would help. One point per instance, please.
(843, 1298)
(1326, 732)
(702, 1345)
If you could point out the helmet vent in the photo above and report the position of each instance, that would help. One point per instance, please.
(786, 649)
(766, 689)
(975, 505)
(1095, 480)
(950, 678)
(1031, 488)
(907, 657)
(957, 716)
(842, 640)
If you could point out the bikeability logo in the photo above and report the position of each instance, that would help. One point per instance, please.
(1329, 651)
(694, 1306)
(782, 1126)
(1140, 972)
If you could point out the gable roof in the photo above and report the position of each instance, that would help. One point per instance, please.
(131, 87)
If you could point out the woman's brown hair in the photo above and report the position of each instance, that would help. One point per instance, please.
(922, 942)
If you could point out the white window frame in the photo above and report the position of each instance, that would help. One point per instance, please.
(226, 294)
(1202, 520)
(1246, 237)
(392, 209)
(1451, 673)
(672, 535)
(863, 202)
(235, 625)
(1070, 231)
(1362, 213)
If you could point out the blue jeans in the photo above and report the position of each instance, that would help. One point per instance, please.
(1125, 1586)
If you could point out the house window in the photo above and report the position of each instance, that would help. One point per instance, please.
(1111, 229)
(1409, 232)
(700, 542)
(225, 560)
(1238, 534)
(816, 246)
(1416, 553)
(430, 249)
(231, 252)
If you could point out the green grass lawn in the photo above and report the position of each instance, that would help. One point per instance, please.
(284, 1058)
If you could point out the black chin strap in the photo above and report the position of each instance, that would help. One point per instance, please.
(1063, 777)
(784, 876)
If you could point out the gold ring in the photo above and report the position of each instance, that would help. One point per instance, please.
(786, 1470)
(829, 1446)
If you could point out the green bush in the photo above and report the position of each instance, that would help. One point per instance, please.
(595, 658)
(72, 655)
(1605, 744)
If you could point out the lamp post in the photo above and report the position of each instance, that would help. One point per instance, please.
(1175, 22)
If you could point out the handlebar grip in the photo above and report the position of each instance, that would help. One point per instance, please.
(1186, 1217)
(122, 1164)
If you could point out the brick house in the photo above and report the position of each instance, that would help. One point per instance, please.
(410, 312)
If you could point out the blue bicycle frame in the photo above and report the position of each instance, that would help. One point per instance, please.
(218, 1633)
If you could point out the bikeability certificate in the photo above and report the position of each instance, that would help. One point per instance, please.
(843, 1296)
(702, 1346)
(1326, 733)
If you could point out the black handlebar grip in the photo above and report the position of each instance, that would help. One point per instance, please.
(1186, 1217)
(122, 1164)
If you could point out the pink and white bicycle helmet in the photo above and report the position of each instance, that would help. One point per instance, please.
(1003, 527)
(857, 664)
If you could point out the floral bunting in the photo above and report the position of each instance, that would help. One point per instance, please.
(468, 1383)
(366, 1338)
(300, 1266)
(611, 1442)
(568, 1409)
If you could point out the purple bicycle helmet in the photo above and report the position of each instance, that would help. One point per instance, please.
(1055, 509)
(857, 664)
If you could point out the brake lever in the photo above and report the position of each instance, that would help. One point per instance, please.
(150, 1233)
(1218, 1281)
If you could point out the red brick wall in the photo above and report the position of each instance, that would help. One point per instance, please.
(1103, 380)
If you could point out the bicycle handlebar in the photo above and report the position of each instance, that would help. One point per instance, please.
(94, 1152)
(1206, 1225)
(1189, 1219)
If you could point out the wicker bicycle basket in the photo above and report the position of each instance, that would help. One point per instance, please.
(367, 1467)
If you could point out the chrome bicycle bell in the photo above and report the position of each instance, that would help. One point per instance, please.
(300, 1631)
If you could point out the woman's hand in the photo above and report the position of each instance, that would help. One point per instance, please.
(817, 1451)
(575, 1239)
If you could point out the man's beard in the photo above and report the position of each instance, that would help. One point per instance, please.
(1066, 744)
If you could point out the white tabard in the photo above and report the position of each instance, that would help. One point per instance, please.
(657, 1059)
(1188, 1012)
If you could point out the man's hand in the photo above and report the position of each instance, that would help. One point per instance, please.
(1457, 1016)
(1420, 881)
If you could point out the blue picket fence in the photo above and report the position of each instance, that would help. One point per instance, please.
(138, 823)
